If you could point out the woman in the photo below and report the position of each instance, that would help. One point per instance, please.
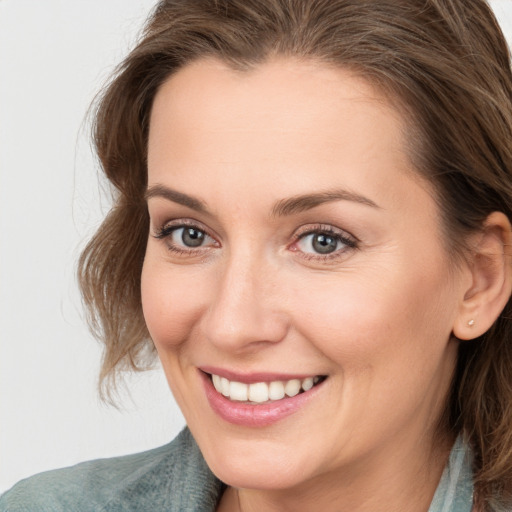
(312, 230)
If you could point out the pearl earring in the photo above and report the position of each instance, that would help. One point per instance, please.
(471, 323)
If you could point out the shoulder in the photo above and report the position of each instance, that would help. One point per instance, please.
(173, 477)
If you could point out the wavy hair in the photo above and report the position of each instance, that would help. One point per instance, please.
(448, 65)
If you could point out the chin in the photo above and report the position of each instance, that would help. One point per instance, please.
(245, 475)
(252, 467)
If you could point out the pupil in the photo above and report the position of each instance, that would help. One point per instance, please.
(192, 237)
(324, 244)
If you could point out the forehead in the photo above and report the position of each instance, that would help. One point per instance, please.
(279, 93)
(285, 125)
(292, 75)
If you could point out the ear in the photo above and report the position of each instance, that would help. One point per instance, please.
(490, 265)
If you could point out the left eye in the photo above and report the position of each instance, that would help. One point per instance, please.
(321, 243)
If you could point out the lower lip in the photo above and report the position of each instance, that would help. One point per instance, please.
(257, 415)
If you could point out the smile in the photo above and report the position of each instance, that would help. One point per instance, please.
(262, 392)
(258, 399)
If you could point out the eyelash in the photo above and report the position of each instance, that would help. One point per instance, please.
(344, 238)
(166, 231)
(347, 240)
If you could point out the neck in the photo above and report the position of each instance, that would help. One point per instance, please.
(403, 480)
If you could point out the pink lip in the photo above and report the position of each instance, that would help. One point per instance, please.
(251, 378)
(258, 415)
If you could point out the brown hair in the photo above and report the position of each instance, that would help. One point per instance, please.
(447, 63)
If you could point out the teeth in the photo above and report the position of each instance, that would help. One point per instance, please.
(238, 391)
(216, 382)
(276, 390)
(307, 384)
(224, 386)
(260, 392)
(292, 387)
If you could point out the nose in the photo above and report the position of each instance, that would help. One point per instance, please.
(245, 310)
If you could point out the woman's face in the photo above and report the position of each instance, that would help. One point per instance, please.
(292, 244)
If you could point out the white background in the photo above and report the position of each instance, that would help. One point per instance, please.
(54, 56)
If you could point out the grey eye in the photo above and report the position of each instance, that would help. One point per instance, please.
(324, 244)
(189, 237)
(320, 243)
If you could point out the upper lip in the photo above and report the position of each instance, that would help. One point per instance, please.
(252, 377)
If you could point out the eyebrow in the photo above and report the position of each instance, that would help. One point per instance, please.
(176, 197)
(281, 208)
(305, 202)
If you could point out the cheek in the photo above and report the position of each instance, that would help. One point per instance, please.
(171, 303)
(388, 343)
(369, 319)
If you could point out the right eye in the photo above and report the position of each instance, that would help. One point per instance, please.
(184, 238)
(188, 237)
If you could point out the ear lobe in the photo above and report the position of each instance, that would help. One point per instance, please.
(490, 264)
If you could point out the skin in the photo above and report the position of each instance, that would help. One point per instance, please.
(376, 316)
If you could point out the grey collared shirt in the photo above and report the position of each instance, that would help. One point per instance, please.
(175, 478)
